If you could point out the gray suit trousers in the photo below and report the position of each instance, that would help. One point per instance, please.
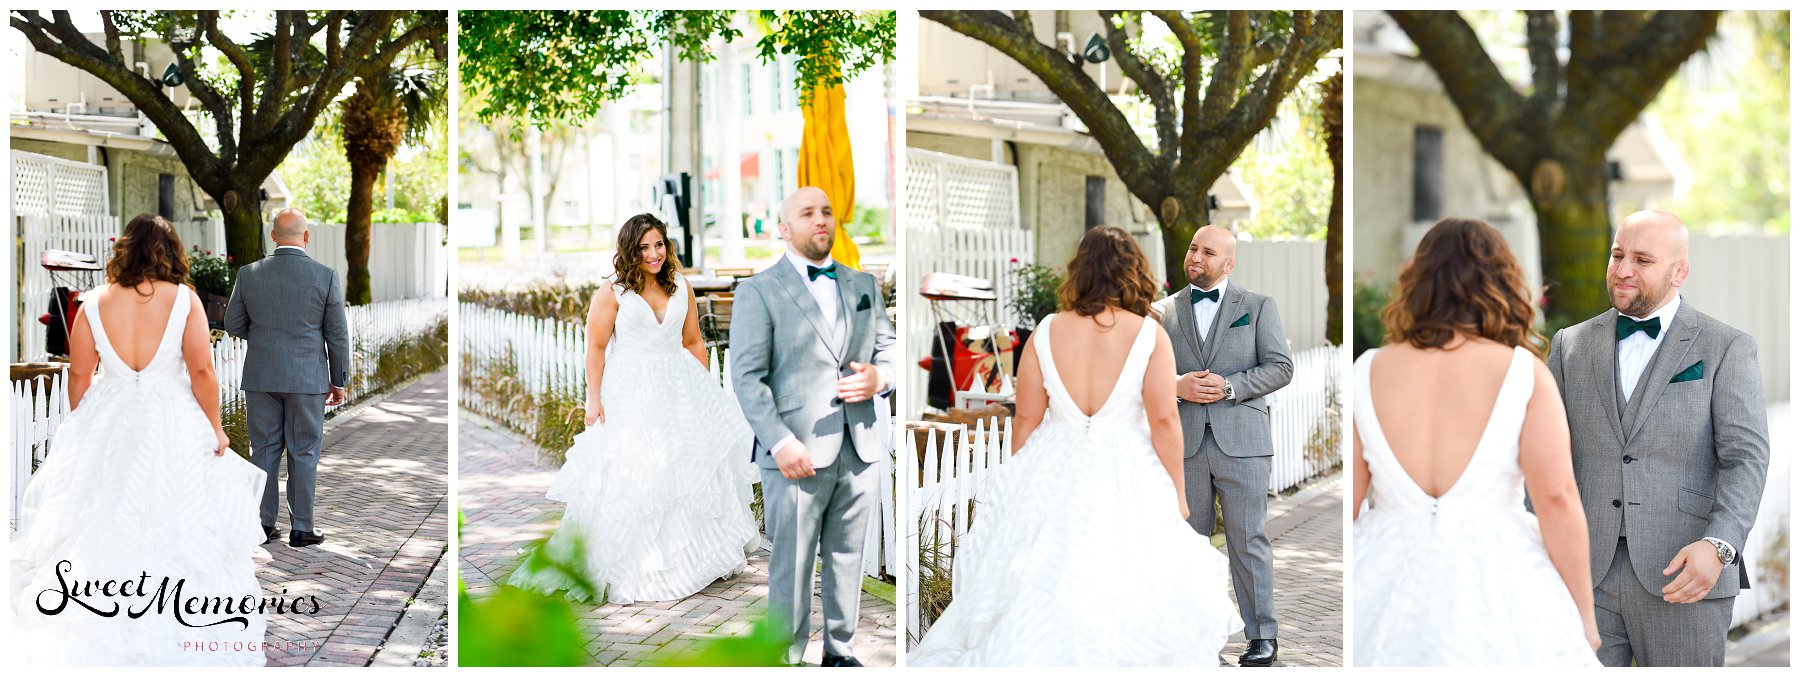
(294, 422)
(1636, 625)
(829, 515)
(1242, 487)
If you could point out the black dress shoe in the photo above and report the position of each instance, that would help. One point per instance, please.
(1259, 654)
(302, 539)
(840, 662)
(271, 534)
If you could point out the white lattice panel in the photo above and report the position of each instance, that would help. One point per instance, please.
(946, 191)
(48, 185)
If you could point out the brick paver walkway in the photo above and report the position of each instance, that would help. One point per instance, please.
(1307, 531)
(382, 503)
(500, 488)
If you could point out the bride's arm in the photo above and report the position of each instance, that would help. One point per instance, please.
(690, 331)
(84, 358)
(1164, 415)
(603, 308)
(1359, 475)
(1030, 397)
(196, 352)
(1550, 479)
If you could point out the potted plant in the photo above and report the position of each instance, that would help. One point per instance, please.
(211, 276)
(1034, 289)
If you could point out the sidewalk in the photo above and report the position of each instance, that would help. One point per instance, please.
(500, 488)
(383, 506)
(1766, 646)
(1307, 530)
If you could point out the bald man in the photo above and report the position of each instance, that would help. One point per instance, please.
(1670, 439)
(1230, 352)
(811, 349)
(290, 309)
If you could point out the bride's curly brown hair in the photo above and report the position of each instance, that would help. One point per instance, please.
(149, 250)
(1109, 269)
(1463, 278)
(628, 262)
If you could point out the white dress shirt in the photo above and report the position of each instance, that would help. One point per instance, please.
(1636, 350)
(291, 246)
(824, 291)
(1207, 309)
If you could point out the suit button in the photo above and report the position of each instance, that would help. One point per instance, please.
(1628, 458)
(1616, 503)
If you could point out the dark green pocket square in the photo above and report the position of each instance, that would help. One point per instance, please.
(1692, 373)
(863, 304)
(1242, 321)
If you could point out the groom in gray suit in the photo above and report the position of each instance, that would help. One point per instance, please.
(291, 311)
(1229, 353)
(1670, 438)
(811, 348)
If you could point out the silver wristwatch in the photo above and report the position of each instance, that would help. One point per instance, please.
(1727, 554)
(1228, 391)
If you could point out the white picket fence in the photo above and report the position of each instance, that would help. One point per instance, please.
(550, 356)
(56, 204)
(987, 254)
(40, 405)
(956, 462)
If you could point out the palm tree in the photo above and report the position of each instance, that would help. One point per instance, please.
(400, 104)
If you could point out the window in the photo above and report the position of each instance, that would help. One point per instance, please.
(165, 196)
(1428, 173)
(744, 87)
(1096, 202)
(777, 88)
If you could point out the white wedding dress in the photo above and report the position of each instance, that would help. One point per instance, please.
(659, 494)
(131, 490)
(1463, 579)
(1078, 554)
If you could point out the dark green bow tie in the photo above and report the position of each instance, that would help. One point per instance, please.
(813, 272)
(1198, 295)
(1627, 326)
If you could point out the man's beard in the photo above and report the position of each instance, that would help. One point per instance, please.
(1643, 305)
(1203, 281)
(812, 251)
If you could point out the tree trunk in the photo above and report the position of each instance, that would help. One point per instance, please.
(1181, 215)
(1334, 224)
(1575, 233)
(359, 228)
(242, 213)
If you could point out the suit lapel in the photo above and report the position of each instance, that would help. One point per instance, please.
(1184, 318)
(1606, 352)
(846, 314)
(1228, 305)
(789, 280)
(1667, 361)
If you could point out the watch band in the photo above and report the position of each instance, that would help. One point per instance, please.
(1727, 554)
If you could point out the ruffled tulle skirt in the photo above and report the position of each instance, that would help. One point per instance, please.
(1473, 589)
(132, 512)
(659, 495)
(1078, 556)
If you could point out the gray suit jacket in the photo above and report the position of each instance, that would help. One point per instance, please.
(785, 367)
(1699, 449)
(290, 309)
(1252, 356)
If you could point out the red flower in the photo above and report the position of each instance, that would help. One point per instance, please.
(209, 252)
(1015, 259)
(227, 257)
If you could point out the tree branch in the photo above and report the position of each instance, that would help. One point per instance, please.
(1149, 81)
(1546, 69)
(246, 70)
(1634, 74)
(1193, 49)
(1494, 112)
(112, 36)
(1023, 18)
(1221, 91)
(1143, 174)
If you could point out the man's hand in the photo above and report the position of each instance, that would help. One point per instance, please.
(337, 396)
(1699, 565)
(793, 460)
(861, 385)
(1202, 386)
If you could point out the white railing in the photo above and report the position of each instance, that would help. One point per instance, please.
(954, 463)
(56, 204)
(41, 404)
(1766, 552)
(546, 356)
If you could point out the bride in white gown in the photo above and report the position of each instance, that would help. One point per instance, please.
(1454, 421)
(140, 516)
(659, 486)
(1080, 553)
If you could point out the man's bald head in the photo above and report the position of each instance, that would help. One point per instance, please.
(1211, 256)
(1648, 262)
(290, 228)
(808, 224)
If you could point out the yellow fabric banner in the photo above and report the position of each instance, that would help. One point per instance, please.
(826, 164)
